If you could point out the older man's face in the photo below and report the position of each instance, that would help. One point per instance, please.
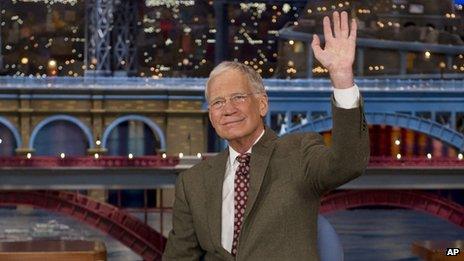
(236, 120)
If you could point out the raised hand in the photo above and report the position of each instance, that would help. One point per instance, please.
(338, 53)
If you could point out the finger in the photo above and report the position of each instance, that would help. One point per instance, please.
(354, 28)
(327, 29)
(316, 45)
(344, 24)
(336, 23)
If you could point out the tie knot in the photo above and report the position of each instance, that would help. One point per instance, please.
(243, 158)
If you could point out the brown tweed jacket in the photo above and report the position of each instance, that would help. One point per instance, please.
(288, 175)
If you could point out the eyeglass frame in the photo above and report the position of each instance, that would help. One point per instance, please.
(230, 98)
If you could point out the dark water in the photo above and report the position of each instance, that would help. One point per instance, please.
(365, 234)
(26, 225)
(388, 234)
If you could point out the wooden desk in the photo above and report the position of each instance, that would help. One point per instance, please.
(53, 250)
(436, 250)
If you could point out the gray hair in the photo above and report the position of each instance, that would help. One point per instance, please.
(254, 78)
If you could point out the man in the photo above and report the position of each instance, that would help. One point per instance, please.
(259, 199)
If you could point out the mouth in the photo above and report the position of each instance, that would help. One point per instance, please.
(231, 123)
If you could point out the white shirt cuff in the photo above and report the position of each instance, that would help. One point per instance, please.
(347, 98)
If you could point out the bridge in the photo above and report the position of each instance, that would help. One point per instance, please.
(130, 231)
(407, 199)
(149, 244)
(432, 107)
(174, 113)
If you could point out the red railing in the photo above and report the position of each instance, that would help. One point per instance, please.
(172, 161)
(414, 162)
(90, 161)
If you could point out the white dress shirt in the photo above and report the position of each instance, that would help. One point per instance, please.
(344, 98)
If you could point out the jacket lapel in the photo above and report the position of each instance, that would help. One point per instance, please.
(213, 180)
(260, 156)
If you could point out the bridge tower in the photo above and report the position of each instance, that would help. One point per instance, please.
(111, 31)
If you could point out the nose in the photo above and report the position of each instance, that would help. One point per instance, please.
(228, 109)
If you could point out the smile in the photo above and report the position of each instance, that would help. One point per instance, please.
(233, 122)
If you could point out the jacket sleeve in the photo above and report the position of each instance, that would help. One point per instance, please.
(325, 167)
(182, 244)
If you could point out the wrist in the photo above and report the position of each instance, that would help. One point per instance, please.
(342, 78)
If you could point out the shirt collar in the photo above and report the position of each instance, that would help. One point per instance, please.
(233, 154)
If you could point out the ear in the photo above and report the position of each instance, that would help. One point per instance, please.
(263, 105)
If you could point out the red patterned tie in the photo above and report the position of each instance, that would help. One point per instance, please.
(241, 186)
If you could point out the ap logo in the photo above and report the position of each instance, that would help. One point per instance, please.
(452, 251)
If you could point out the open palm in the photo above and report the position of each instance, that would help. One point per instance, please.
(340, 44)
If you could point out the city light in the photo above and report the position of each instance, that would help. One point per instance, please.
(164, 155)
(28, 155)
(460, 156)
(397, 142)
(429, 156)
(181, 155)
(130, 156)
(62, 155)
(398, 156)
(169, 3)
(96, 156)
(199, 155)
(98, 142)
(51, 2)
(52, 64)
(427, 55)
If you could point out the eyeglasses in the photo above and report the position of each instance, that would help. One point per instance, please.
(235, 99)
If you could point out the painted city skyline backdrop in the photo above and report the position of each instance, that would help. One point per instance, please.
(177, 38)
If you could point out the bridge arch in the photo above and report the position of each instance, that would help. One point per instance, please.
(415, 200)
(139, 237)
(425, 126)
(13, 130)
(63, 117)
(153, 126)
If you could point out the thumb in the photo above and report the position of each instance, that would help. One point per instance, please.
(316, 45)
